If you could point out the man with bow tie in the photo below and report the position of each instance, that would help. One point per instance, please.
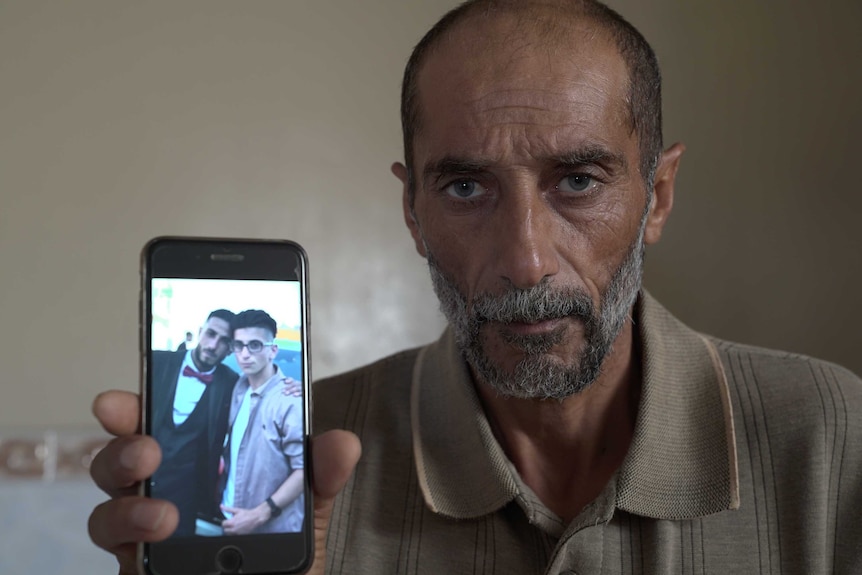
(190, 406)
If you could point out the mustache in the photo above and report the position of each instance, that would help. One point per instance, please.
(541, 302)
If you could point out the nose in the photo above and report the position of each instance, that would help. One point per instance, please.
(526, 239)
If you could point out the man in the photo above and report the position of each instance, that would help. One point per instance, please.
(192, 391)
(265, 440)
(184, 345)
(566, 422)
(191, 394)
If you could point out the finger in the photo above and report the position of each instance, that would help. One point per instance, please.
(230, 509)
(119, 412)
(125, 461)
(291, 387)
(119, 524)
(334, 456)
(127, 555)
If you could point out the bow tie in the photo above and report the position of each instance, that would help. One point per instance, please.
(202, 377)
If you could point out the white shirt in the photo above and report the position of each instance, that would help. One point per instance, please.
(237, 432)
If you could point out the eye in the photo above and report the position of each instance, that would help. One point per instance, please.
(576, 183)
(464, 189)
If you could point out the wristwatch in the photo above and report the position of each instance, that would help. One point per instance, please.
(275, 509)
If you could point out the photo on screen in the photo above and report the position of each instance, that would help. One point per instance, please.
(226, 405)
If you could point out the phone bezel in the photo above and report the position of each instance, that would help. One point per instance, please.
(271, 554)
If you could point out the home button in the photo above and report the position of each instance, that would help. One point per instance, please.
(228, 559)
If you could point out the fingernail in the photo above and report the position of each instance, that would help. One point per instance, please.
(130, 455)
(147, 517)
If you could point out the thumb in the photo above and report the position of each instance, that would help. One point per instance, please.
(334, 456)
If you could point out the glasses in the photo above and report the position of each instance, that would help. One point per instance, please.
(253, 346)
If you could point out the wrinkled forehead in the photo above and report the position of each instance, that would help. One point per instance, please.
(497, 52)
(532, 67)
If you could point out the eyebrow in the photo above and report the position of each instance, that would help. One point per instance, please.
(452, 165)
(592, 155)
(585, 156)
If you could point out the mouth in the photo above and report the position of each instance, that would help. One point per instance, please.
(542, 327)
(246, 365)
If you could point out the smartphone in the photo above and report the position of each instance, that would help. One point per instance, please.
(225, 386)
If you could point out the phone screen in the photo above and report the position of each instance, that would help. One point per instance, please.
(226, 397)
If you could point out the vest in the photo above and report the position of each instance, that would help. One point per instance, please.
(179, 476)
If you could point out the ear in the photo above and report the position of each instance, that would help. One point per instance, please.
(662, 197)
(400, 172)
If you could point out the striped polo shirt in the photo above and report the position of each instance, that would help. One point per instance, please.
(744, 460)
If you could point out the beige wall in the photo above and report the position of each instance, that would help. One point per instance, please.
(120, 121)
(764, 243)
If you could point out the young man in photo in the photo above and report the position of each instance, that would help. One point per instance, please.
(264, 445)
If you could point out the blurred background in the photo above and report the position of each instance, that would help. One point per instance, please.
(121, 121)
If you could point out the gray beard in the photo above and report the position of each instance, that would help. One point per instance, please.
(538, 376)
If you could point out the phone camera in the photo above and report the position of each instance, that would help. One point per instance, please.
(228, 560)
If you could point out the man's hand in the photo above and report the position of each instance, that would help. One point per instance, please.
(119, 524)
(291, 387)
(244, 520)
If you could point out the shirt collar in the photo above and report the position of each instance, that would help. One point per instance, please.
(242, 383)
(682, 461)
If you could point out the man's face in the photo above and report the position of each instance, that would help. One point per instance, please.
(529, 204)
(537, 375)
(213, 343)
(252, 363)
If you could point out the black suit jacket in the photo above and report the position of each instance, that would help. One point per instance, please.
(165, 370)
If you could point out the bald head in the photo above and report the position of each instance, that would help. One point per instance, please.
(546, 22)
